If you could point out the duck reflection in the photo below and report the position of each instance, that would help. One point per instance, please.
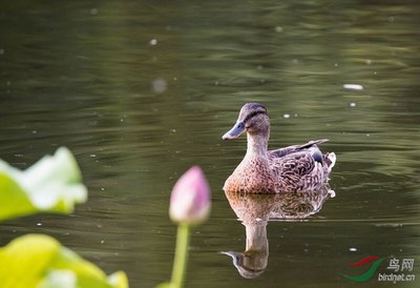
(255, 210)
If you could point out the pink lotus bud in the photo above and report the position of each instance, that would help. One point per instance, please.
(190, 198)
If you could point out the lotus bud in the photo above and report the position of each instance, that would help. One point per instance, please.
(190, 198)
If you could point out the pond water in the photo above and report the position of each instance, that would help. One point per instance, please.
(142, 91)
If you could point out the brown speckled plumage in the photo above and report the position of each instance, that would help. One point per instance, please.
(290, 169)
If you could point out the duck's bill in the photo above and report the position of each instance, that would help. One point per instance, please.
(235, 132)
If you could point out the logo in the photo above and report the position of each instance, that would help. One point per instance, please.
(398, 266)
(366, 276)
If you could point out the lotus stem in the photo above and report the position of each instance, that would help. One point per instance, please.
(181, 255)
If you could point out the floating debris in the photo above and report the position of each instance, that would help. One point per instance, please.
(352, 104)
(159, 85)
(93, 11)
(287, 116)
(278, 29)
(353, 87)
(153, 42)
(352, 249)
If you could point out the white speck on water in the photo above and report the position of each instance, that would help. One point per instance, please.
(102, 189)
(122, 120)
(259, 67)
(102, 241)
(295, 61)
(175, 78)
(353, 87)
(34, 131)
(39, 224)
(93, 155)
(367, 135)
(153, 42)
(335, 64)
(287, 116)
(278, 29)
(391, 19)
(93, 11)
(8, 83)
(296, 115)
(159, 85)
(368, 61)
(173, 130)
(216, 83)
(1, 51)
(352, 249)
(352, 104)
(374, 73)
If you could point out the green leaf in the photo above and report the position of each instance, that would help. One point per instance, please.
(52, 184)
(39, 261)
(164, 285)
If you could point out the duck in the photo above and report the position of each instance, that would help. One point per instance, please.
(295, 168)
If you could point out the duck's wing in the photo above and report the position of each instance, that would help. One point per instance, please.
(299, 171)
(304, 167)
(295, 148)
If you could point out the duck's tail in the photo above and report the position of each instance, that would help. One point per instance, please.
(330, 159)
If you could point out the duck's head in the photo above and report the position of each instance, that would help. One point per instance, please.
(253, 119)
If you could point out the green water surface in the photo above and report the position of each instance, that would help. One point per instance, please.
(142, 90)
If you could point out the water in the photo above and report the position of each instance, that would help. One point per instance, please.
(142, 91)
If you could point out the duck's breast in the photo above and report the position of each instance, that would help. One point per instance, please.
(251, 176)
